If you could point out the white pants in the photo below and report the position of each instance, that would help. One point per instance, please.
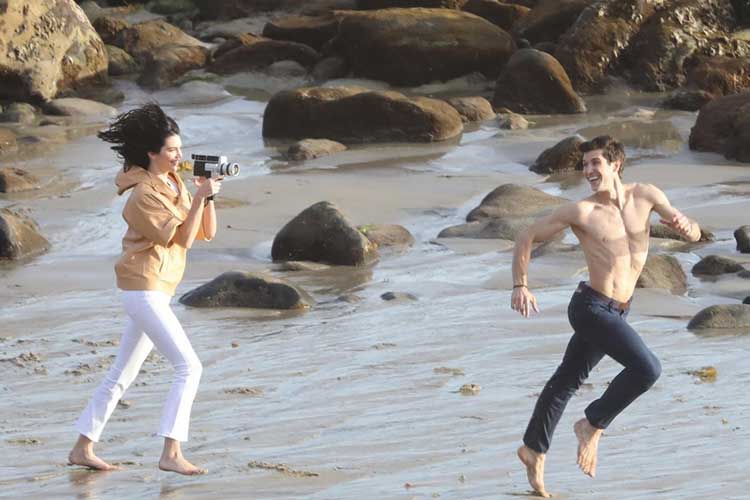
(150, 322)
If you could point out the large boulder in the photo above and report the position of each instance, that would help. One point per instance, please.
(120, 62)
(666, 232)
(723, 126)
(253, 53)
(430, 4)
(47, 47)
(534, 82)
(21, 113)
(742, 236)
(714, 265)
(472, 109)
(314, 31)
(308, 149)
(81, 110)
(720, 75)
(549, 19)
(657, 55)
(514, 200)
(13, 180)
(108, 27)
(355, 115)
(597, 38)
(504, 228)
(730, 316)
(663, 271)
(144, 39)
(168, 63)
(19, 236)
(564, 156)
(409, 47)
(503, 15)
(241, 289)
(687, 99)
(321, 233)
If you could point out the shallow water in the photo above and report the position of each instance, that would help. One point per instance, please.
(357, 393)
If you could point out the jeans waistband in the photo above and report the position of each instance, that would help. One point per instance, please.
(584, 288)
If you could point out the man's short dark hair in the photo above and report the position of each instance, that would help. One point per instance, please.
(612, 149)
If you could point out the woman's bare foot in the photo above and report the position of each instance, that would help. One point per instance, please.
(588, 443)
(180, 466)
(534, 462)
(83, 454)
(172, 460)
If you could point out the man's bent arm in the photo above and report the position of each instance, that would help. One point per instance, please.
(671, 216)
(541, 230)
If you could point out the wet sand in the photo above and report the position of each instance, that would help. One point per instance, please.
(361, 399)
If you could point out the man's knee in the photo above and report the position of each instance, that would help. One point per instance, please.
(190, 369)
(650, 372)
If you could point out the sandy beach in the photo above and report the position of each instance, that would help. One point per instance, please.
(361, 398)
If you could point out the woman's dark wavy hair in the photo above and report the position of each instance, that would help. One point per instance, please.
(137, 132)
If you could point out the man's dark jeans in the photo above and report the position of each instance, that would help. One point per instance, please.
(600, 328)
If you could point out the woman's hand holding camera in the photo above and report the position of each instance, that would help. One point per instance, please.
(207, 188)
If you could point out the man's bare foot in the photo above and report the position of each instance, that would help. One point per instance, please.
(87, 458)
(534, 462)
(180, 466)
(588, 443)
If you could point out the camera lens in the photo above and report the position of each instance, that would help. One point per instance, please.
(229, 169)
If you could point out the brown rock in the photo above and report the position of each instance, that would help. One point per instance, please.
(329, 68)
(120, 62)
(657, 55)
(321, 233)
(7, 141)
(354, 115)
(666, 232)
(503, 15)
(257, 53)
(427, 4)
(472, 109)
(387, 235)
(19, 236)
(142, 40)
(108, 27)
(663, 271)
(309, 30)
(308, 149)
(549, 19)
(563, 156)
(47, 47)
(688, 100)
(13, 180)
(723, 126)
(714, 265)
(730, 316)
(409, 47)
(533, 82)
(514, 200)
(596, 39)
(720, 75)
(512, 121)
(168, 63)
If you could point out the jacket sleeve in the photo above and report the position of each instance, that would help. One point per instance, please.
(148, 216)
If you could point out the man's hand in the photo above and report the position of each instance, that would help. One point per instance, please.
(523, 301)
(679, 222)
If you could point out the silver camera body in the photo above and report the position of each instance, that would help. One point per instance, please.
(214, 166)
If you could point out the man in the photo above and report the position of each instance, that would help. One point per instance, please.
(612, 226)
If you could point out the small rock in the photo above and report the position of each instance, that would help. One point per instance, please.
(742, 236)
(387, 235)
(400, 296)
(124, 403)
(563, 156)
(705, 374)
(472, 109)
(19, 112)
(235, 345)
(512, 121)
(714, 265)
(245, 391)
(444, 370)
(470, 389)
(308, 149)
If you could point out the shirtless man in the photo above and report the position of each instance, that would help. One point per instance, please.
(612, 226)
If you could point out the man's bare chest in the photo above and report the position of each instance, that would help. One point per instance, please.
(611, 226)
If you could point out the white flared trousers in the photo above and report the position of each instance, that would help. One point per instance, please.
(151, 322)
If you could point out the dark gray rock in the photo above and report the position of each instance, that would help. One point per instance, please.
(666, 232)
(729, 316)
(563, 156)
(240, 289)
(321, 233)
(398, 296)
(742, 236)
(18, 112)
(714, 265)
(687, 100)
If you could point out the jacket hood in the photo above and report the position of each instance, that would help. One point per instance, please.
(131, 178)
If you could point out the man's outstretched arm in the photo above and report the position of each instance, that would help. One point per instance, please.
(672, 217)
(522, 300)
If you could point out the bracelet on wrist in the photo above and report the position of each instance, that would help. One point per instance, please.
(520, 286)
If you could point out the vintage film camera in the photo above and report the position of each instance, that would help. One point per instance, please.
(214, 166)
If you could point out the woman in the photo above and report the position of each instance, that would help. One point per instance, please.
(163, 222)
